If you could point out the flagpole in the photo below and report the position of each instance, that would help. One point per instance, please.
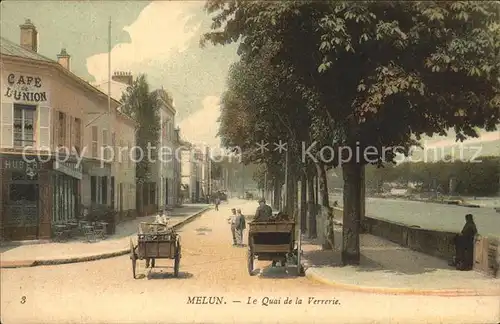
(109, 72)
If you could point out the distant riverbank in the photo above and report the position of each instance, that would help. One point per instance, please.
(486, 202)
(432, 216)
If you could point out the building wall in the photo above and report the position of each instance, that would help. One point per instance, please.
(61, 96)
(59, 103)
(123, 167)
(122, 138)
(166, 165)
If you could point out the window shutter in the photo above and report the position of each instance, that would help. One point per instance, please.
(44, 128)
(7, 122)
(104, 144)
(94, 142)
(113, 145)
(55, 127)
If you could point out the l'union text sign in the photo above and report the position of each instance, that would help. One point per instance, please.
(27, 88)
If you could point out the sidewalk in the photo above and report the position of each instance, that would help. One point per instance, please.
(388, 268)
(12, 256)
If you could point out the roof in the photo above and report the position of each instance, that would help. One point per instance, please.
(10, 48)
(117, 88)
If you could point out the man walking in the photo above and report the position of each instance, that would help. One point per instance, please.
(217, 203)
(232, 221)
(240, 227)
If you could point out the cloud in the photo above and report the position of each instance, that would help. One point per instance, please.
(201, 127)
(450, 140)
(160, 31)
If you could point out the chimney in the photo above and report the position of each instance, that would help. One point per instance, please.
(63, 59)
(29, 36)
(123, 77)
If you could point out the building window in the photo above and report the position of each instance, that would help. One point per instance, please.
(78, 134)
(152, 193)
(104, 190)
(62, 128)
(94, 141)
(129, 160)
(24, 125)
(145, 190)
(93, 187)
(120, 152)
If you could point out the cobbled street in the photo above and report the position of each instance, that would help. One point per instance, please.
(105, 292)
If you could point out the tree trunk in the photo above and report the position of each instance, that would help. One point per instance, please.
(303, 203)
(325, 210)
(352, 213)
(311, 202)
(316, 190)
(277, 194)
(363, 198)
(289, 195)
(323, 186)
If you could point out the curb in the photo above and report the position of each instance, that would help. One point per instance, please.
(107, 255)
(311, 274)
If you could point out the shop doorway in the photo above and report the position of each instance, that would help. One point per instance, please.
(21, 213)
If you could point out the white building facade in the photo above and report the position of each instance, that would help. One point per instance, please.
(166, 173)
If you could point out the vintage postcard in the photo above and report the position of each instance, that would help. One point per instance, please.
(223, 161)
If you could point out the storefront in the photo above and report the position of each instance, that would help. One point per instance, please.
(66, 193)
(35, 194)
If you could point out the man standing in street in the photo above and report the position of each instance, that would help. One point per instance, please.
(264, 212)
(217, 203)
(240, 227)
(232, 221)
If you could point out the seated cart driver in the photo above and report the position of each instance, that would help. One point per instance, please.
(161, 218)
(264, 212)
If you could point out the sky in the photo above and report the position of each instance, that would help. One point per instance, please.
(160, 39)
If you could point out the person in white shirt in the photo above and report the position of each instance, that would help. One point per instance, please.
(161, 218)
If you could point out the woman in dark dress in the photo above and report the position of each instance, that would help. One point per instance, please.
(464, 245)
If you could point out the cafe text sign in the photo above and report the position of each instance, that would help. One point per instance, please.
(27, 88)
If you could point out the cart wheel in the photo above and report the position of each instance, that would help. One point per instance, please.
(177, 261)
(153, 263)
(133, 257)
(250, 262)
(134, 264)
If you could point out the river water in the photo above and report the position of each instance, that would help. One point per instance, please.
(431, 215)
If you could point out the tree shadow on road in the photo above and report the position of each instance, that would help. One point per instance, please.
(155, 274)
(270, 272)
(389, 260)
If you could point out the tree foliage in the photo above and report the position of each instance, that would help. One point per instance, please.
(367, 74)
(380, 71)
(143, 105)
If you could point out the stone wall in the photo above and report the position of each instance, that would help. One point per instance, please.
(431, 242)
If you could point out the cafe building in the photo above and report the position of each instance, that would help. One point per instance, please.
(43, 105)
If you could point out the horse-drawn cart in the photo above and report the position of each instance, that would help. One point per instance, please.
(273, 241)
(156, 241)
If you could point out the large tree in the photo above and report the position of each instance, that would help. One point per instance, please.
(143, 105)
(383, 73)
